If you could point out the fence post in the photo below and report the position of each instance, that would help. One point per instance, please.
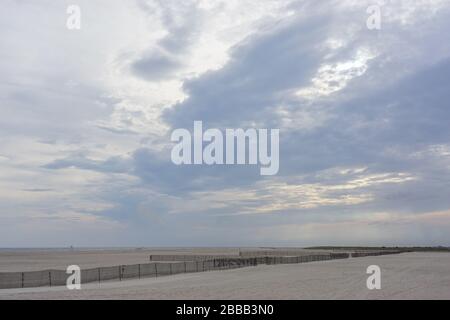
(185, 267)
(170, 268)
(99, 275)
(139, 271)
(23, 280)
(120, 273)
(50, 278)
(156, 270)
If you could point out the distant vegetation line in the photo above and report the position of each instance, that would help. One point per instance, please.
(406, 249)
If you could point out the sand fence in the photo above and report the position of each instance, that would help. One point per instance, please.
(358, 254)
(163, 265)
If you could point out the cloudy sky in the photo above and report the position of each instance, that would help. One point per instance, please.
(86, 118)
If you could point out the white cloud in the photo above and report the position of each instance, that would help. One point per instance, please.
(85, 118)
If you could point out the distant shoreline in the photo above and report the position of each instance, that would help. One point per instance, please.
(113, 248)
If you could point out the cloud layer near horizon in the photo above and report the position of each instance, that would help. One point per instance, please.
(87, 116)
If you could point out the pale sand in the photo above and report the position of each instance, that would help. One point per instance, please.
(404, 276)
(40, 259)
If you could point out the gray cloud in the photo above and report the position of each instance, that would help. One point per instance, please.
(156, 66)
(363, 118)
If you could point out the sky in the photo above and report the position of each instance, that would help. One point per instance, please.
(86, 117)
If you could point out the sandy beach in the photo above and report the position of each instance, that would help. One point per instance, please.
(13, 260)
(404, 276)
